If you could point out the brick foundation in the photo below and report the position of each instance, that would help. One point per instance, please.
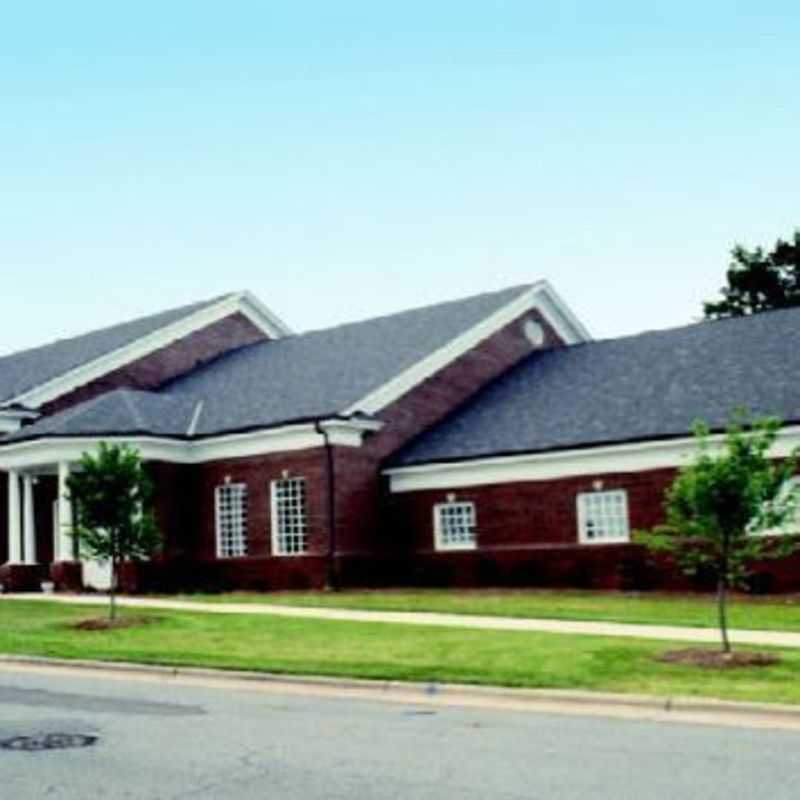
(22, 577)
(67, 576)
(252, 573)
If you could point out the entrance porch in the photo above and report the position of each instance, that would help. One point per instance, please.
(38, 544)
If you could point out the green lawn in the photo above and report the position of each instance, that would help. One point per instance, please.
(402, 652)
(774, 613)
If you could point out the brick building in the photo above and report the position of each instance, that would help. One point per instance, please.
(479, 441)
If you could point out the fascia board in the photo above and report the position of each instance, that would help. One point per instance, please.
(286, 439)
(539, 296)
(636, 457)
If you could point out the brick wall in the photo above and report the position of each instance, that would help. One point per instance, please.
(185, 513)
(167, 363)
(257, 473)
(528, 536)
(531, 513)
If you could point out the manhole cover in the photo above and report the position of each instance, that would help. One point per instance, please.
(47, 741)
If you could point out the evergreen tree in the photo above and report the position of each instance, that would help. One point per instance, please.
(759, 281)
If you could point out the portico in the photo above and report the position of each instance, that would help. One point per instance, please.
(39, 525)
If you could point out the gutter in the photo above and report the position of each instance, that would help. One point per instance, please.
(686, 710)
(332, 578)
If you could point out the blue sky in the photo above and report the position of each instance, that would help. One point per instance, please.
(344, 160)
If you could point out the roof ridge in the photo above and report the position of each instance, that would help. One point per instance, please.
(700, 323)
(522, 287)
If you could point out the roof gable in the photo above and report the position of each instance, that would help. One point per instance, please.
(540, 295)
(343, 370)
(36, 376)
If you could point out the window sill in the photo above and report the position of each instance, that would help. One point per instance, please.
(458, 548)
(601, 542)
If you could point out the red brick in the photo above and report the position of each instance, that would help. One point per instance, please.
(167, 363)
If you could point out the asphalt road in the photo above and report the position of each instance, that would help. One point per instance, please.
(163, 739)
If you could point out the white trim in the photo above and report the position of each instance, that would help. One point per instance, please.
(47, 451)
(14, 527)
(198, 410)
(560, 315)
(66, 549)
(242, 445)
(241, 302)
(582, 501)
(438, 534)
(28, 521)
(638, 457)
(11, 419)
(540, 296)
(268, 321)
(349, 432)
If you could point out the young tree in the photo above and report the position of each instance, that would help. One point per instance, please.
(759, 281)
(111, 495)
(719, 507)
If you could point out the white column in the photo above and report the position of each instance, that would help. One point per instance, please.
(28, 519)
(14, 526)
(65, 549)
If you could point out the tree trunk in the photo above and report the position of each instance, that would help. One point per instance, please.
(112, 592)
(722, 600)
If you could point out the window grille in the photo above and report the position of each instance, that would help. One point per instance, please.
(289, 517)
(603, 517)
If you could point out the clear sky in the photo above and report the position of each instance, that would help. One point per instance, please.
(344, 160)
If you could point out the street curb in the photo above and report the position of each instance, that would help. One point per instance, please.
(563, 700)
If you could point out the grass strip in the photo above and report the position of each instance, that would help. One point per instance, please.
(385, 651)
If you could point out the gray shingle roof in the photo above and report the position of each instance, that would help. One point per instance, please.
(652, 385)
(299, 377)
(27, 369)
(323, 372)
(121, 412)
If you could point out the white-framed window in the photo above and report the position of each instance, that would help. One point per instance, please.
(230, 501)
(603, 517)
(289, 517)
(792, 525)
(454, 526)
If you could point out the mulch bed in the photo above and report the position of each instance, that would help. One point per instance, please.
(716, 659)
(105, 624)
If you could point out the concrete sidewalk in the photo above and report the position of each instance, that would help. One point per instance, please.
(662, 632)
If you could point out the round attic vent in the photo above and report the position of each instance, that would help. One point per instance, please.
(534, 332)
